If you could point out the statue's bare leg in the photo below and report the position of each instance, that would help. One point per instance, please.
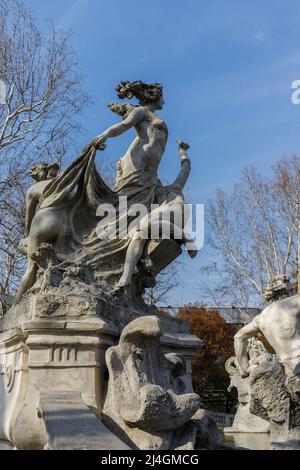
(159, 221)
(45, 228)
(133, 255)
(190, 244)
(28, 280)
(137, 243)
(29, 277)
(167, 229)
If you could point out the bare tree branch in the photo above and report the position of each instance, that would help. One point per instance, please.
(39, 119)
(255, 233)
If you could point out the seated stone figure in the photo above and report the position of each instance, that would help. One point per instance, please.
(279, 322)
(67, 212)
(146, 405)
(170, 201)
(275, 381)
(43, 173)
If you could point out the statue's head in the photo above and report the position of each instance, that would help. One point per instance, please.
(44, 171)
(145, 93)
(278, 287)
(122, 109)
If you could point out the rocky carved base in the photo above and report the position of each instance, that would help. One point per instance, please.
(275, 397)
(61, 385)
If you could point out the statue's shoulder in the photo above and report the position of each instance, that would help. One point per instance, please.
(139, 110)
(37, 188)
(292, 302)
(137, 114)
(269, 309)
(287, 305)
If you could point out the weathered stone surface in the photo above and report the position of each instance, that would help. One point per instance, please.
(244, 420)
(71, 425)
(275, 379)
(44, 357)
(271, 400)
(73, 299)
(208, 435)
(147, 405)
(83, 288)
(51, 356)
(66, 222)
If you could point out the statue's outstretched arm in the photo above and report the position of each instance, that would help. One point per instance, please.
(241, 343)
(136, 115)
(185, 165)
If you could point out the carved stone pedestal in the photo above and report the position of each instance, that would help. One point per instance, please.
(54, 383)
(49, 358)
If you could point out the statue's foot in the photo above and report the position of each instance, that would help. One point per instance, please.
(147, 264)
(192, 249)
(120, 288)
(192, 253)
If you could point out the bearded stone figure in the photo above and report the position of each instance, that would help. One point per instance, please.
(275, 378)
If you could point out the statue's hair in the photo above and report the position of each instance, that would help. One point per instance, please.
(279, 286)
(122, 109)
(47, 167)
(39, 166)
(144, 92)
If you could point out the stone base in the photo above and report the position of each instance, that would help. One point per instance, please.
(244, 421)
(71, 425)
(233, 430)
(52, 357)
(53, 382)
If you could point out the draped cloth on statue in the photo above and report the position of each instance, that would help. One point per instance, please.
(78, 192)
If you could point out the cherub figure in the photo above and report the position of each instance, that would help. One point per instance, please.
(43, 174)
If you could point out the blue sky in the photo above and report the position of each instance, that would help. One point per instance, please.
(227, 68)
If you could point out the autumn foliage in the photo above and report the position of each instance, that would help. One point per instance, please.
(208, 364)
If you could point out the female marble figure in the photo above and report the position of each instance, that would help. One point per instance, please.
(66, 213)
(171, 204)
(139, 165)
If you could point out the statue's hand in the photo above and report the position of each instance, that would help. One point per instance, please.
(244, 374)
(99, 142)
(182, 145)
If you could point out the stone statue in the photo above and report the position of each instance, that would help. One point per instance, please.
(42, 173)
(170, 201)
(275, 381)
(89, 262)
(279, 322)
(244, 420)
(146, 404)
(65, 211)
